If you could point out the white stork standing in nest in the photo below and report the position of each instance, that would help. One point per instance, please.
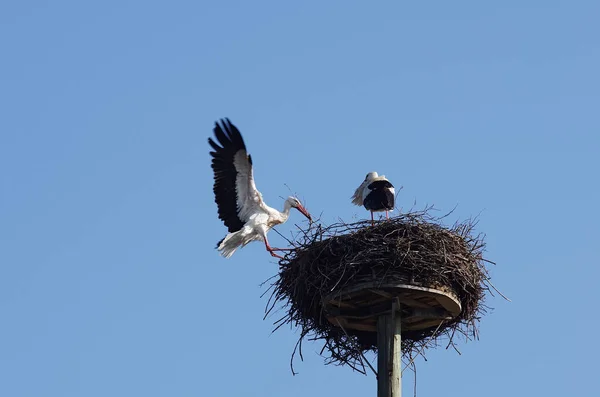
(240, 204)
(376, 193)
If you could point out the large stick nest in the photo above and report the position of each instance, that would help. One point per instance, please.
(413, 248)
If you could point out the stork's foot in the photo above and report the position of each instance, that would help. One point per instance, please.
(273, 254)
(271, 250)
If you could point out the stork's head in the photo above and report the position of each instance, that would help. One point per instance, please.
(371, 175)
(295, 203)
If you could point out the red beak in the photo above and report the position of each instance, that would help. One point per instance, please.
(304, 212)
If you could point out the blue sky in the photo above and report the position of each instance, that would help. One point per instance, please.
(109, 281)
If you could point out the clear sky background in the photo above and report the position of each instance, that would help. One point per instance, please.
(109, 281)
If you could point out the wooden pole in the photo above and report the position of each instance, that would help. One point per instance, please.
(389, 354)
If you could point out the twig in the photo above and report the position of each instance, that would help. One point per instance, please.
(487, 279)
(422, 348)
(358, 350)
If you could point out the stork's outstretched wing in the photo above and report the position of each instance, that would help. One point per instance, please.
(235, 192)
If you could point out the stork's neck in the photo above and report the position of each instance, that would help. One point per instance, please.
(286, 210)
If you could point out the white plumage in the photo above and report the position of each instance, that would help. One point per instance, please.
(240, 204)
(376, 194)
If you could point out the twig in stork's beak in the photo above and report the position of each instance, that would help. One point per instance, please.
(304, 212)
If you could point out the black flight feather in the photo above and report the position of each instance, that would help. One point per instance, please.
(225, 173)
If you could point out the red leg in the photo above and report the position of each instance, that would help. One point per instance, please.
(271, 250)
(386, 215)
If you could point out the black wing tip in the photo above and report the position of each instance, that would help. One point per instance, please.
(224, 124)
(228, 134)
(222, 131)
(213, 144)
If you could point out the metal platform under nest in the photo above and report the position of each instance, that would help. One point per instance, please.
(390, 309)
(359, 307)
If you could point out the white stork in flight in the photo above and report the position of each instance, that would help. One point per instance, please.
(240, 204)
(376, 193)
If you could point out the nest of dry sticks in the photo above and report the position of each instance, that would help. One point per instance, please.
(413, 248)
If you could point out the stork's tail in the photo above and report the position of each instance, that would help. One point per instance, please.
(230, 244)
